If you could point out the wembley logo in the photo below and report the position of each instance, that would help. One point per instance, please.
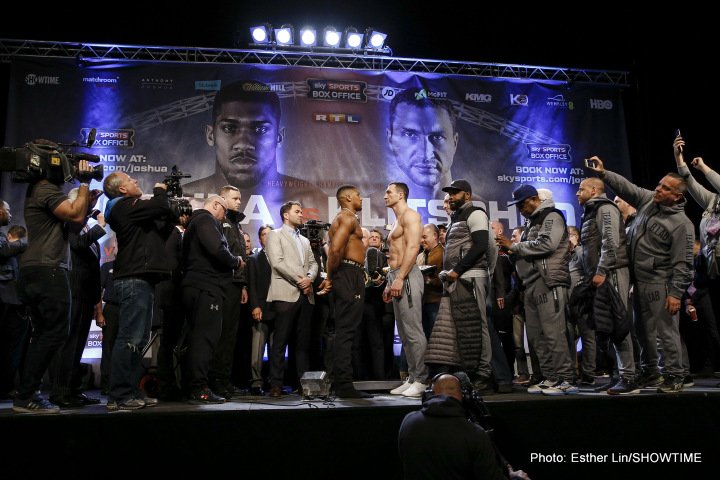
(31, 79)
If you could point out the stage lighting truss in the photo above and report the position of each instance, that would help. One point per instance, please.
(331, 37)
(353, 38)
(285, 36)
(308, 37)
(375, 40)
(350, 40)
(261, 34)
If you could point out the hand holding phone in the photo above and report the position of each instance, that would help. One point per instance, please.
(678, 135)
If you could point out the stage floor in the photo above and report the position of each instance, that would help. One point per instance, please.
(588, 435)
(380, 399)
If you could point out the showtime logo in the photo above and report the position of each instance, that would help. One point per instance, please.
(599, 104)
(31, 79)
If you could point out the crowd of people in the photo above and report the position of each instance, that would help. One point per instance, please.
(464, 297)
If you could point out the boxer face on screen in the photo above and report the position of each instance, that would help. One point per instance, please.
(423, 141)
(245, 135)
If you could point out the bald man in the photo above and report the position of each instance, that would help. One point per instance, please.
(438, 442)
(605, 258)
(209, 266)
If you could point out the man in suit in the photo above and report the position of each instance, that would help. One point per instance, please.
(294, 269)
(259, 273)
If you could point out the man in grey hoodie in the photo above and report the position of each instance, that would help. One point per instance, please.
(541, 261)
(661, 257)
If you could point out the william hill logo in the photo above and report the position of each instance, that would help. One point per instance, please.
(31, 79)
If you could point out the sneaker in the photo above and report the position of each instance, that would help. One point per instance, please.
(624, 386)
(34, 404)
(650, 379)
(605, 386)
(399, 390)
(672, 384)
(205, 397)
(415, 391)
(561, 388)
(688, 381)
(534, 380)
(130, 404)
(539, 387)
(521, 380)
(586, 379)
(150, 401)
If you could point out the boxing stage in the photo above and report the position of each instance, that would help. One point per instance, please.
(589, 435)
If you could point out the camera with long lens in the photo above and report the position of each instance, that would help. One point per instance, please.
(313, 230)
(179, 205)
(45, 160)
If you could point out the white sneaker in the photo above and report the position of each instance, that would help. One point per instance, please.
(399, 390)
(539, 387)
(415, 391)
(562, 388)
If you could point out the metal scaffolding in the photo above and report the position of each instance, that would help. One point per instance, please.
(92, 53)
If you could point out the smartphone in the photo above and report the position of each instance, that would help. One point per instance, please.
(589, 163)
(677, 134)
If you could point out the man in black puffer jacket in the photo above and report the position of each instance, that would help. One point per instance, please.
(605, 259)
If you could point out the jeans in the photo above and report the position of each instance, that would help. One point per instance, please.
(136, 297)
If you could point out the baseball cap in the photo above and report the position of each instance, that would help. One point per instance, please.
(457, 185)
(522, 193)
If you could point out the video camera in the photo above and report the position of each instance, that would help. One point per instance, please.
(312, 229)
(43, 159)
(179, 205)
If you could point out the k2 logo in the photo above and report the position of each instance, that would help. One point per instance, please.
(519, 99)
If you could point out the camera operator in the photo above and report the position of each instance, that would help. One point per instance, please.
(84, 277)
(440, 442)
(141, 229)
(43, 282)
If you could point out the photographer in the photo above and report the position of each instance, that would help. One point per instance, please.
(43, 282)
(141, 229)
(440, 442)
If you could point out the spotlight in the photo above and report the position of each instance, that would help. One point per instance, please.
(284, 35)
(353, 39)
(331, 37)
(261, 33)
(308, 37)
(375, 39)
